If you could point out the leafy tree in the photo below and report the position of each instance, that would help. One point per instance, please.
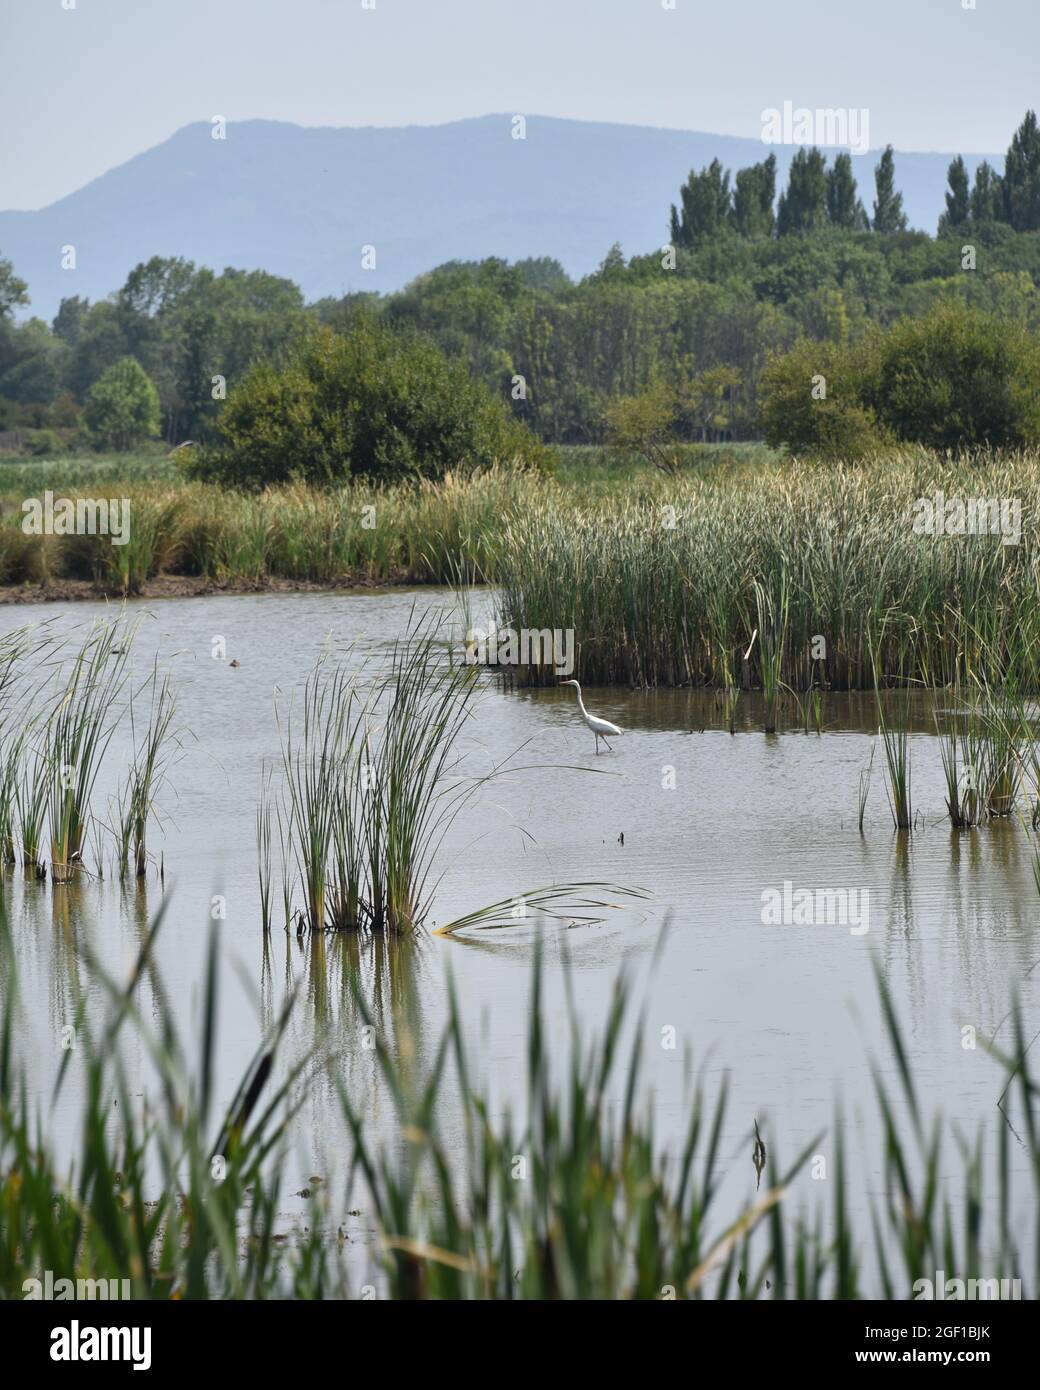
(13, 291)
(154, 287)
(707, 400)
(34, 376)
(803, 206)
(644, 424)
(122, 407)
(612, 266)
(542, 273)
(1021, 183)
(71, 319)
(375, 402)
(823, 314)
(889, 216)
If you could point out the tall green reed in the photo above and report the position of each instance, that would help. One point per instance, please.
(78, 731)
(772, 607)
(148, 770)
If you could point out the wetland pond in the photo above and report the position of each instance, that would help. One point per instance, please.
(706, 820)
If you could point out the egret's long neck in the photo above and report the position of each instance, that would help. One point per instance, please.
(581, 702)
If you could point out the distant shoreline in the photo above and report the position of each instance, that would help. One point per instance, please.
(166, 586)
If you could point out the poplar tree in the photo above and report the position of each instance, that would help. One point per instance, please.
(889, 216)
(803, 206)
(753, 196)
(706, 203)
(987, 198)
(958, 199)
(844, 208)
(1021, 183)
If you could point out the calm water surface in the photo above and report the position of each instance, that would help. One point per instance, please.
(705, 820)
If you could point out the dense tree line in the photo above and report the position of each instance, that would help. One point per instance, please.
(746, 273)
(192, 331)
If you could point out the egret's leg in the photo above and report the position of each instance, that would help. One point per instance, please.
(597, 742)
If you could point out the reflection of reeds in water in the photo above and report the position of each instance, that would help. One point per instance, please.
(577, 1201)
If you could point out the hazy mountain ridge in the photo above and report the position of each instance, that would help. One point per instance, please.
(302, 202)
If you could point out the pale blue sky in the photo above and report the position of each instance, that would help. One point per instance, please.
(84, 89)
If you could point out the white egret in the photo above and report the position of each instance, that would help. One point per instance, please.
(602, 728)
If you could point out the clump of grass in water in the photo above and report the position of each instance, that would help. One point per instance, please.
(78, 732)
(147, 773)
(987, 746)
(896, 744)
(16, 724)
(264, 841)
(961, 799)
(773, 610)
(1002, 720)
(895, 740)
(372, 782)
(312, 762)
(416, 783)
(31, 798)
(371, 790)
(864, 788)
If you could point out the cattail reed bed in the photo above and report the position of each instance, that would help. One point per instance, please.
(663, 580)
(670, 583)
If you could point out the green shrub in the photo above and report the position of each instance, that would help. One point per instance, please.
(813, 401)
(955, 379)
(373, 402)
(45, 443)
